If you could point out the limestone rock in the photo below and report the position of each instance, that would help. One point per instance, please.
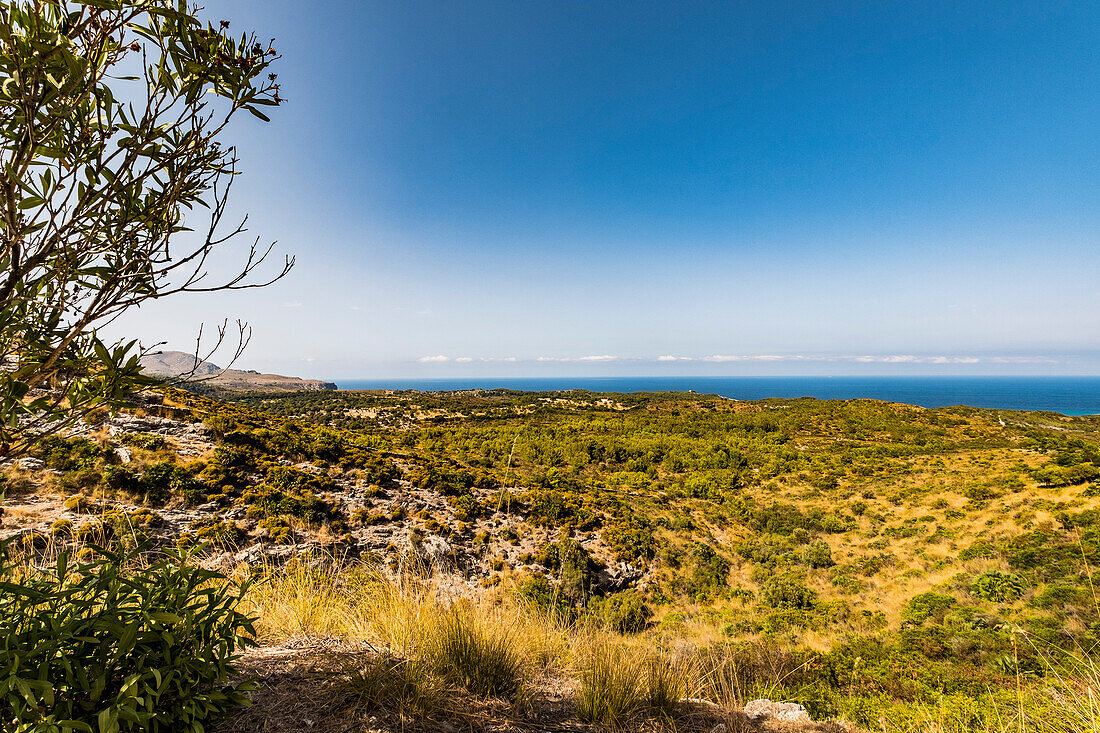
(788, 712)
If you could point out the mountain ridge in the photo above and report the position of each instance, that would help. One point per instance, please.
(178, 363)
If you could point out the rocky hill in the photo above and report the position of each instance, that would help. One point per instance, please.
(178, 363)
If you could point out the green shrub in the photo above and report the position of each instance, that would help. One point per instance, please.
(80, 504)
(278, 529)
(787, 591)
(998, 587)
(572, 563)
(538, 592)
(148, 441)
(118, 529)
(818, 554)
(708, 570)
(72, 454)
(99, 647)
(625, 612)
(119, 480)
(161, 481)
(221, 533)
(268, 501)
(924, 606)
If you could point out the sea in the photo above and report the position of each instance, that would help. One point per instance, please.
(1067, 395)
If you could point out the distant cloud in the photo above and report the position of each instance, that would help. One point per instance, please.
(575, 359)
(753, 359)
(292, 304)
(911, 359)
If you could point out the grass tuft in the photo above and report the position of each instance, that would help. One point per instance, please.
(387, 681)
(620, 685)
(484, 659)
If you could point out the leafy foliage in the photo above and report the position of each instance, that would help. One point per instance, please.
(94, 646)
(101, 167)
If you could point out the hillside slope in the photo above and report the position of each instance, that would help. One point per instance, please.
(867, 560)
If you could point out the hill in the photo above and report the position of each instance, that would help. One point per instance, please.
(864, 559)
(177, 363)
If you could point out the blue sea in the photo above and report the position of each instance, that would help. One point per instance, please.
(1068, 395)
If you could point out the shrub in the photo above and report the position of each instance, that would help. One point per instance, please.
(278, 529)
(221, 533)
(998, 587)
(119, 480)
(538, 592)
(268, 501)
(625, 612)
(62, 527)
(574, 566)
(818, 554)
(484, 661)
(708, 571)
(119, 529)
(95, 646)
(924, 606)
(80, 504)
(71, 454)
(787, 591)
(161, 480)
(148, 441)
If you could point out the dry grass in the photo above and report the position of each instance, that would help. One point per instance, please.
(622, 684)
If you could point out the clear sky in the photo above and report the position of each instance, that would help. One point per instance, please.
(600, 188)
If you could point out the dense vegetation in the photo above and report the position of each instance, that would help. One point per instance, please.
(902, 557)
(865, 559)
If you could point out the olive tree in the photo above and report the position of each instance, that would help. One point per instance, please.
(113, 191)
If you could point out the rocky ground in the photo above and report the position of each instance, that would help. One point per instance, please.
(398, 522)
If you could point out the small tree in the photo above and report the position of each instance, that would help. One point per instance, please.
(111, 119)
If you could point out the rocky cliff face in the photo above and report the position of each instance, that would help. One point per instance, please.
(177, 363)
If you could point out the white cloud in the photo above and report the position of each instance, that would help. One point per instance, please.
(575, 359)
(292, 304)
(749, 359)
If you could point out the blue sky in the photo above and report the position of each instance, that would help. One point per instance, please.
(583, 188)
